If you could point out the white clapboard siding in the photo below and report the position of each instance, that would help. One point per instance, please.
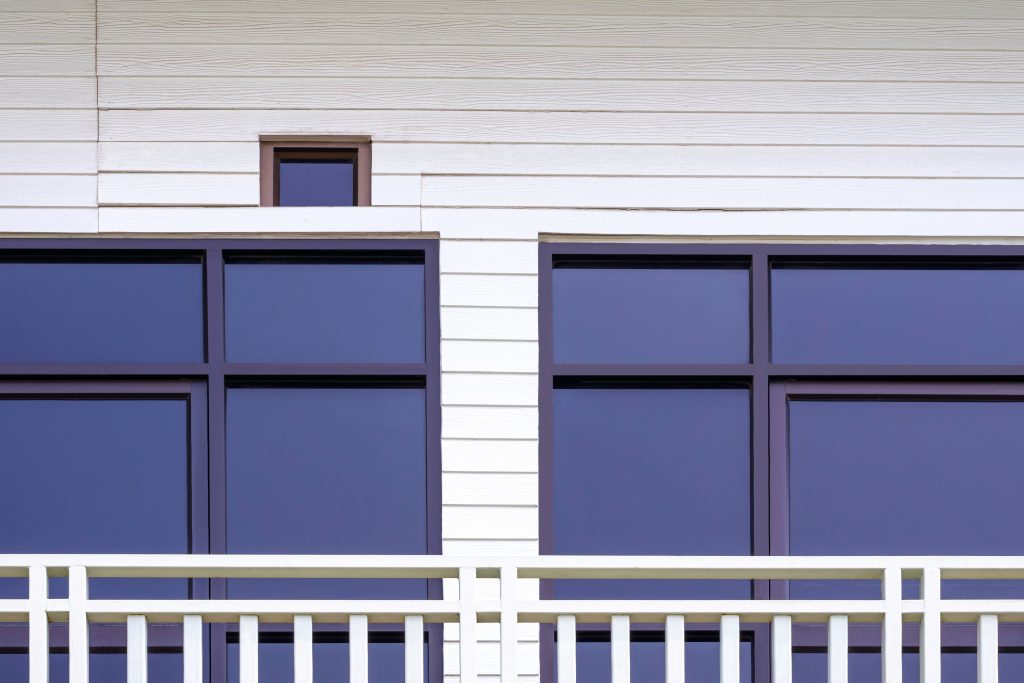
(48, 190)
(708, 193)
(488, 356)
(47, 6)
(312, 220)
(47, 157)
(486, 256)
(489, 524)
(48, 60)
(395, 190)
(488, 290)
(131, 92)
(490, 488)
(489, 659)
(408, 61)
(179, 189)
(467, 322)
(34, 92)
(47, 124)
(695, 160)
(181, 157)
(478, 388)
(34, 28)
(577, 30)
(701, 225)
(492, 455)
(962, 9)
(44, 220)
(496, 422)
(557, 127)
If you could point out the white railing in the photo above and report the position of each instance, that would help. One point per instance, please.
(891, 611)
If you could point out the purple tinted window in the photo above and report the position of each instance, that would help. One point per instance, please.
(71, 312)
(324, 312)
(647, 660)
(316, 182)
(651, 315)
(633, 468)
(326, 471)
(866, 667)
(109, 667)
(330, 662)
(890, 315)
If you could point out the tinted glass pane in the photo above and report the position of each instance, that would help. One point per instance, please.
(108, 667)
(324, 312)
(647, 661)
(330, 662)
(839, 315)
(101, 312)
(866, 667)
(316, 182)
(633, 469)
(651, 315)
(326, 471)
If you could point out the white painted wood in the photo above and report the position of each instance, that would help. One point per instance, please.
(48, 6)
(303, 644)
(78, 625)
(138, 649)
(36, 28)
(620, 649)
(559, 127)
(55, 221)
(34, 125)
(708, 193)
(729, 649)
(566, 648)
(497, 422)
(48, 60)
(48, 93)
(473, 455)
(467, 625)
(181, 157)
(892, 627)
(838, 648)
(988, 648)
(349, 220)
(48, 157)
(179, 189)
(38, 626)
(489, 356)
(489, 488)
(488, 256)
(249, 648)
(413, 649)
(509, 625)
(395, 190)
(192, 648)
(655, 64)
(488, 290)
(782, 649)
(931, 626)
(358, 649)
(489, 389)
(489, 659)
(489, 527)
(48, 190)
(675, 649)
(490, 547)
(489, 323)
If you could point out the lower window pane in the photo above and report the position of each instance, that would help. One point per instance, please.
(647, 659)
(330, 660)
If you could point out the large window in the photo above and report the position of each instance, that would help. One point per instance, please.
(784, 399)
(250, 396)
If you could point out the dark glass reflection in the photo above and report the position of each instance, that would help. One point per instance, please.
(647, 661)
(330, 662)
(866, 667)
(905, 477)
(914, 316)
(324, 312)
(101, 312)
(108, 667)
(316, 182)
(651, 472)
(651, 315)
(327, 471)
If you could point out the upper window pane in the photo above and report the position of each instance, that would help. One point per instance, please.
(897, 315)
(316, 182)
(308, 312)
(651, 315)
(111, 312)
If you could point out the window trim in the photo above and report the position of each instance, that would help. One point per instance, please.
(356, 148)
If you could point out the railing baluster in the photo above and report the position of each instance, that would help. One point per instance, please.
(78, 625)
(729, 649)
(988, 648)
(302, 626)
(414, 649)
(931, 625)
(838, 648)
(138, 649)
(249, 648)
(192, 648)
(38, 626)
(467, 625)
(892, 626)
(358, 649)
(566, 648)
(620, 649)
(509, 622)
(782, 649)
(675, 649)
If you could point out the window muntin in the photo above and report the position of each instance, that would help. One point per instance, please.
(103, 309)
(315, 172)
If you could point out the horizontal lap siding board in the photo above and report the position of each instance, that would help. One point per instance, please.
(179, 189)
(44, 157)
(38, 92)
(33, 28)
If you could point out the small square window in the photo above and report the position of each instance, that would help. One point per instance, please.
(314, 173)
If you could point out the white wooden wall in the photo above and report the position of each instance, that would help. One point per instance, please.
(496, 121)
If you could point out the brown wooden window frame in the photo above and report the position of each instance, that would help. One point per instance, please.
(272, 151)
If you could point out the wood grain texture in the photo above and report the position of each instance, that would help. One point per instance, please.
(47, 5)
(580, 30)
(559, 62)
(71, 125)
(41, 28)
(569, 127)
(48, 190)
(180, 157)
(178, 189)
(47, 60)
(48, 157)
(47, 93)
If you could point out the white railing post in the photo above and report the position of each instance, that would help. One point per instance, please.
(302, 643)
(566, 648)
(729, 649)
(78, 625)
(931, 625)
(358, 649)
(892, 626)
(192, 648)
(467, 625)
(782, 649)
(838, 648)
(988, 648)
(620, 649)
(138, 649)
(249, 648)
(413, 649)
(675, 649)
(38, 625)
(509, 624)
